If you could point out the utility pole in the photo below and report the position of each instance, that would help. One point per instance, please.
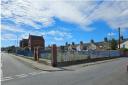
(119, 37)
(16, 48)
(17, 40)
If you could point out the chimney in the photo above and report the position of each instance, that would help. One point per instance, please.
(81, 42)
(73, 43)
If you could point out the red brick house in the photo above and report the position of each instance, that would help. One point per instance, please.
(36, 41)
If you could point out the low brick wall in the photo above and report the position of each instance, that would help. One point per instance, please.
(67, 63)
(124, 53)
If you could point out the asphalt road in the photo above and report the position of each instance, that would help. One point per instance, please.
(11, 66)
(108, 73)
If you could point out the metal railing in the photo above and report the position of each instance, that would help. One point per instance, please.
(63, 56)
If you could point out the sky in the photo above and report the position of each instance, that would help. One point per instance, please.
(61, 21)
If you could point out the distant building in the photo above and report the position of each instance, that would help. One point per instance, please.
(104, 45)
(124, 44)
(24, 43)
(36, 41)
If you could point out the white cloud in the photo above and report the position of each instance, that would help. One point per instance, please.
(111, 34)
(58, 39)
(82, 13)
(59, 33)
(11, 28)
(8, 36)
(113, 12)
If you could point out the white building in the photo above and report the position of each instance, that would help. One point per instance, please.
(124, 44)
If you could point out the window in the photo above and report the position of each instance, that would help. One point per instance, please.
(123, 45)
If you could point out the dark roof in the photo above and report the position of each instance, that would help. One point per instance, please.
(33, 37)
(126, 39)
(102, 43)
(24, 40)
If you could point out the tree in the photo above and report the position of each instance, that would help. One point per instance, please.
(113, 44)
(81, 42)
(92, 41)
(66, 44)
(73, 43)
(105, 39)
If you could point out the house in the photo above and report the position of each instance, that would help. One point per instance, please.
(92, 46)
(36, 41)
(104, 45)
(124, 44)
(23, 43)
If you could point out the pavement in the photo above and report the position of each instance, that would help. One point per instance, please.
(36, 64)
(109, 72)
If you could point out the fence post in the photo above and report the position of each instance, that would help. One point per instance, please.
(54, 56)
(35, 56)
(38, 54)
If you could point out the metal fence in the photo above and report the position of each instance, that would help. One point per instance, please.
(25, 53)
(63, 56)
(71, 55)
(45, 54)
(106, 53)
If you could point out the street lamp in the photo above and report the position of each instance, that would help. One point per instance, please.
(109, 40)
(119, 37)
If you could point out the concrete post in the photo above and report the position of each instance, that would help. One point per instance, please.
(54, 56)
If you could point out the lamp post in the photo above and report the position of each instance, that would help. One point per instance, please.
(119, 37)
(16, 43)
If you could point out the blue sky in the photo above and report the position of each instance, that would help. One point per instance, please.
(61, 21)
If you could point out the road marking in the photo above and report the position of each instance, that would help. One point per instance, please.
(6, 78)
(21, 75)
(33, 73)
(36, 73)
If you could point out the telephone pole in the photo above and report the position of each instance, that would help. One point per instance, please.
(119, 37)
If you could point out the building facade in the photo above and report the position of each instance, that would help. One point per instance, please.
(124, 44)
(23, 43)
(36, 41)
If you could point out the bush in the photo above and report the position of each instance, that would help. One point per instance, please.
(124, 49)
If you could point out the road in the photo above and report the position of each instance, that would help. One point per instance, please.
(11, 66)
(108, 73)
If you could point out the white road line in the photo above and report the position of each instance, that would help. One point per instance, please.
(21, 75)
(33, 73)
(36, 73)
(6, 78)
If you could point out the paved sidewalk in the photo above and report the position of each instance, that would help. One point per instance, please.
(79, 66)
(36, 64)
